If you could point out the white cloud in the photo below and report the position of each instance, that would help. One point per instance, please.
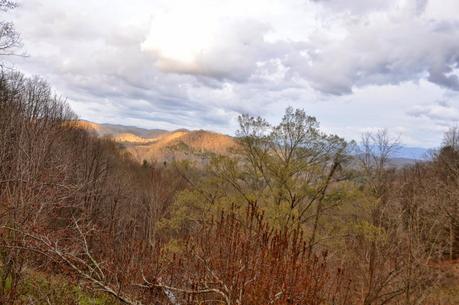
(225, 50)
(198, 63)
(441, 112)
(386, 47)
(350, 44)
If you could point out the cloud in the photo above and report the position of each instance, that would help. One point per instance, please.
(441, 112)
(352, 44)
(355, 6)
(229, 50)
(441, 74)
(399, 44)
(199, 63)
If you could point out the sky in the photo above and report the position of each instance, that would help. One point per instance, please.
(356, 65)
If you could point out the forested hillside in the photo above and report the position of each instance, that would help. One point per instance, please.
(156, 145)
(283, 219)
(280, 214)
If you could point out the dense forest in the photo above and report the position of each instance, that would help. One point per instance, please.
(291, 215)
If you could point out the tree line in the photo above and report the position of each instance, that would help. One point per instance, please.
(291, 215)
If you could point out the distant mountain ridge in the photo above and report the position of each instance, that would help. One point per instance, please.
(161, 145)
(413, 153)
(116, 130)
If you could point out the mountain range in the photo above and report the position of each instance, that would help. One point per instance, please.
(163, 145)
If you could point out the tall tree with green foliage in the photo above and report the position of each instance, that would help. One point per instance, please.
(290, 170)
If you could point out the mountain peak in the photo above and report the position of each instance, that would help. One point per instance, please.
(161, 145)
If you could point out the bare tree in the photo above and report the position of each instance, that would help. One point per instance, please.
(9, 37)
(451, 138)
(387, 233)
